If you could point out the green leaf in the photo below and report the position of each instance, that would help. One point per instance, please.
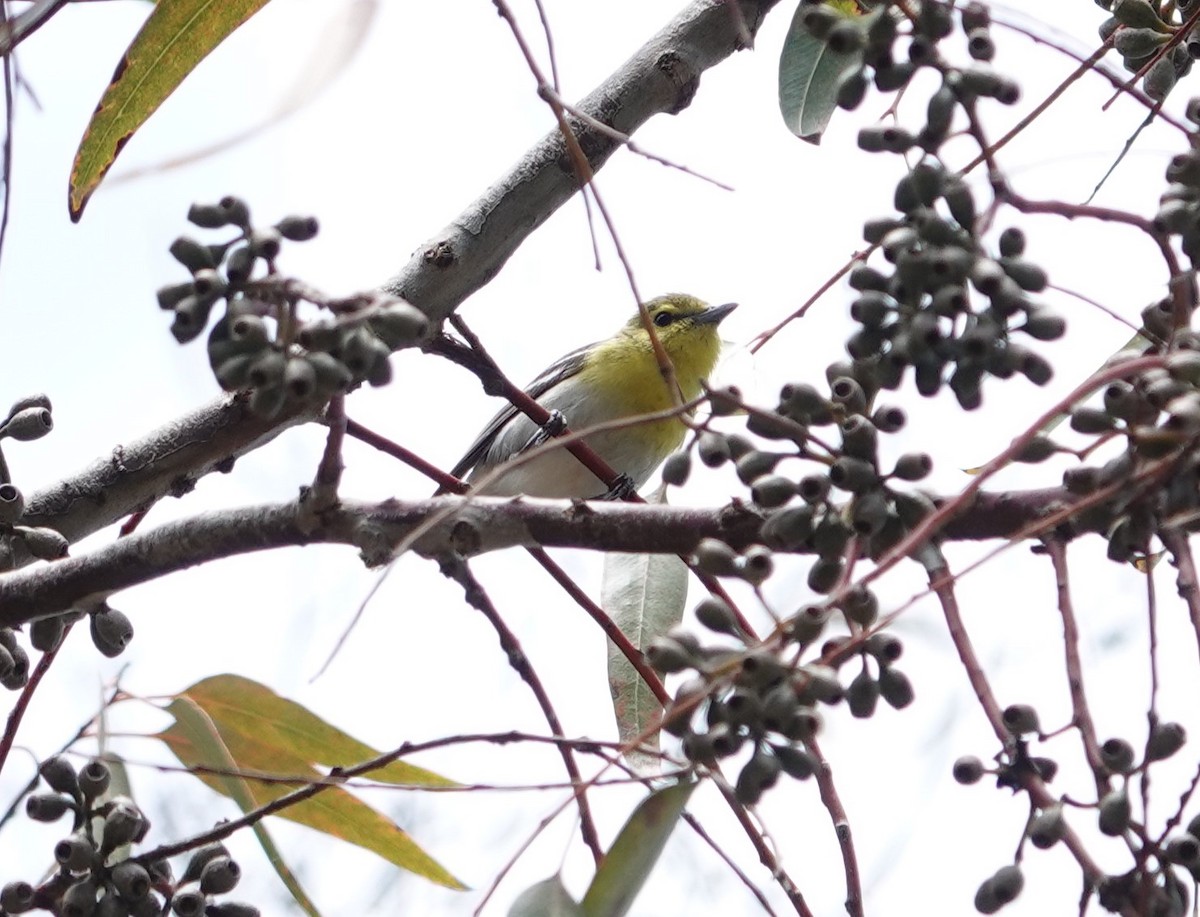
(177, 35)
(546, 899)
(809, 74)
(226, 722)
(207, 738)
(633, 854)
(644, 594)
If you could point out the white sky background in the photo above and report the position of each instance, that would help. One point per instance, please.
(437, 106)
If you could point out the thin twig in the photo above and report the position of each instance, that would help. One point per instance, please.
(456, 568)
(597, 614)
(841, 826)
(1081, 712)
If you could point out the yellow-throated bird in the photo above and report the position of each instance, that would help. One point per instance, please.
(608, 380)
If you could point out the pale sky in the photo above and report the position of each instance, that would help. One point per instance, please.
(434, 109)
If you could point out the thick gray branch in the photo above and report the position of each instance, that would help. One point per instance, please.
(449, 524)
(165, 462)
(661, 77)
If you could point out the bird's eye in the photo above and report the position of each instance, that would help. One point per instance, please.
(662, 319)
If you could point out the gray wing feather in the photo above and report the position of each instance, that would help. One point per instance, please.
(561, 369)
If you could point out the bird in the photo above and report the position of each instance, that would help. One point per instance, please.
(607, 380)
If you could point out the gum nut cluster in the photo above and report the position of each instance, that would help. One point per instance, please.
(260, 342)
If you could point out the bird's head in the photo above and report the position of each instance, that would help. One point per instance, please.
(687, 328)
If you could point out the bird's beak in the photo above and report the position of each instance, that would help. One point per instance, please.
(713, 314)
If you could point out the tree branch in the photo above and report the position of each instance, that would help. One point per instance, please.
(449, 525)
(661, 77)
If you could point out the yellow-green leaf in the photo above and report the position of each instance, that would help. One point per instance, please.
(199, 725)
(277, 729)
(226, 722)
(177, 35)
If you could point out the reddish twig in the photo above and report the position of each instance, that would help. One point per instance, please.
(456, 568)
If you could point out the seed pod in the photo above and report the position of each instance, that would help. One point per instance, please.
(1165, 739)
(859, 437)
(758, 775)
(111, 631)
(813, 488)
(191, 254)
(718, 617)
(980, 45)
(715, 557)
(267, 370)
(913, 466)
(676, 468)
(884, 139)
(1007, 884)
(852, 89)
(824, 573)
(188, 904)
(124, 823)
(1021, 719)
(1115, 812)
(1118, 756)
(863, 277)
(332, 374)
(1160, 79)
(234, 373)
(16, 897)
(770, 425)
(47, 807)
(757, 565)
(199, 860)
(895, 688)
(786, 529)
(755, 464)
(298, 228)
(817, 683)
(772, 490)
(1091, 421)
(28, 424)
(400, 325)
(42, 543)
(760, 669)
(668, 656)
(75, 853)
(796, 762)
(12, 504)
(220, 876)
(1183, 849)
(299, 379)
(808, 624)
(725, 401)
(94, 779)
(60, 775)
(885, 647)
(231, 909)
(1047, 827)
(712, 448)
(79, 900)
(131, 880)
(1038, 449)
(853, 475)
(862, 694)
(46, 634)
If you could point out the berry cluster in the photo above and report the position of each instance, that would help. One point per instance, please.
(1118, 764)
(261, 342)
(30, 419)
(95, 874)
(1140, 31)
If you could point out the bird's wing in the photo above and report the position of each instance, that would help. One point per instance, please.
(561, 369)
